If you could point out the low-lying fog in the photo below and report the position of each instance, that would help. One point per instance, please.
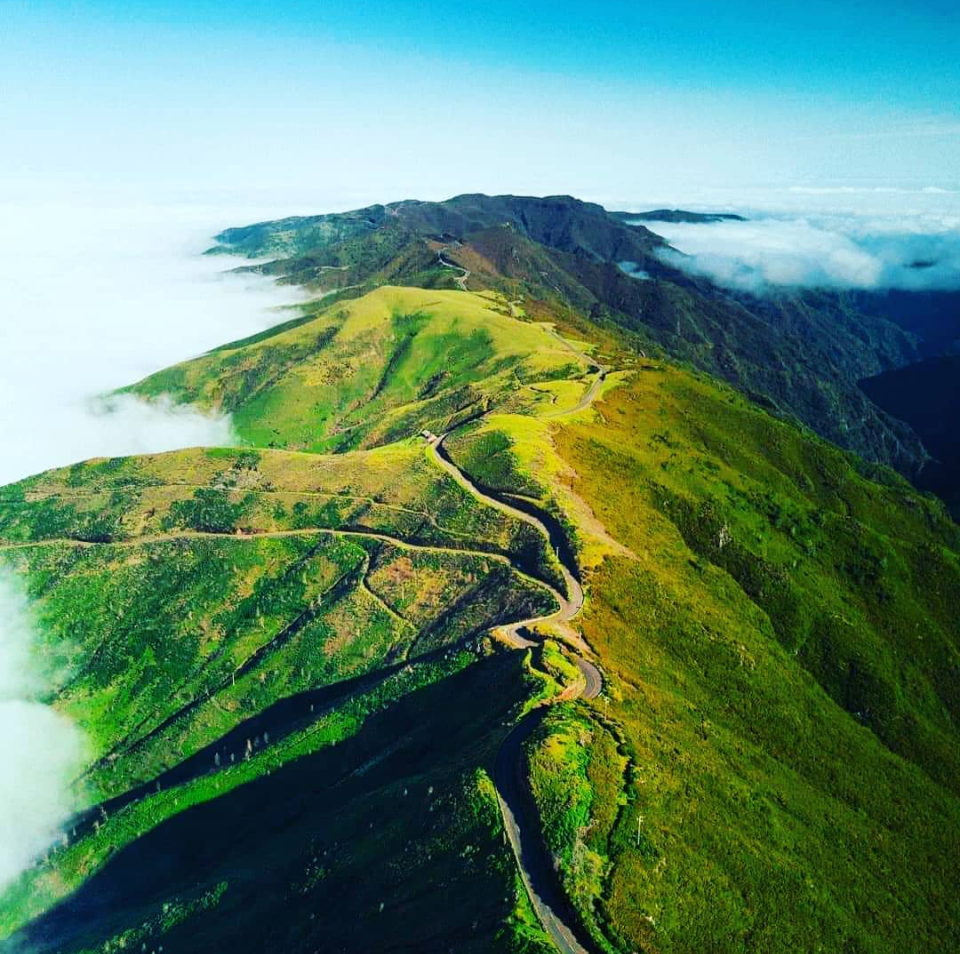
(40, 749)
(93, 298)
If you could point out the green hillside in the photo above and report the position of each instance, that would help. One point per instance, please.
(782, 662)
(798, 352)
(372, 371)
(315, 670)
(219, 614)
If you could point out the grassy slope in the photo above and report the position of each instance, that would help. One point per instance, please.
(179, 643)
(219, 613)
(370, 371)
(396, 490)
(782, 659)
(775, 630)
(347, 847)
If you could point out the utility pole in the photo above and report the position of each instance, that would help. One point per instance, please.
(639, 823)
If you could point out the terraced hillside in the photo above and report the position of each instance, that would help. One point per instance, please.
(489, 638)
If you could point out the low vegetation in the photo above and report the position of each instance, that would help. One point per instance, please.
(286, 660)
(371, 371)
(780, 658)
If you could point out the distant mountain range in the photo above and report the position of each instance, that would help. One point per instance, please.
(797, 352)
(678, 215)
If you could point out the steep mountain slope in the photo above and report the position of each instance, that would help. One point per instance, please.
(781, 654)
(218, 615)
(927, 396)
(932, 316)
(297, 670)
(370, 371)
(799, 352)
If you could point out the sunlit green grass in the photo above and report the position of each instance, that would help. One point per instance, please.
(370, 371)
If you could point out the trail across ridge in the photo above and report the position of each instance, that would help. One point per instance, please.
(519, 817)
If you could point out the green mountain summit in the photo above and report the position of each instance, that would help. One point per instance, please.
(539, 607)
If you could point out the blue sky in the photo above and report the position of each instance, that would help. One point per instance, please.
(350, 101)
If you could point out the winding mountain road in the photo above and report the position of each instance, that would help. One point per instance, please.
(519, 815)
(462, 279)
(570, 603)
(523, 831)
(593, 681)
(534, 862)
(520, 821)
(587, 398)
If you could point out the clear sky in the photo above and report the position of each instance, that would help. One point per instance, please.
(353, 101)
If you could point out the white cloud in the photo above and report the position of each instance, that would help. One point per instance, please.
(93, 298)
(634, 270)
(96, 297)
(118, 425)
(40, 750)
(918, 249)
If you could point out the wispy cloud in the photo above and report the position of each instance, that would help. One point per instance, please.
(41, 749)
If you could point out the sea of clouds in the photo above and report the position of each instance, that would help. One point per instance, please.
(94, 297)
(843, 237)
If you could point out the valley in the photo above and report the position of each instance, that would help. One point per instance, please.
(926, 395)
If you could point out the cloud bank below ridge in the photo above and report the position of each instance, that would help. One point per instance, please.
(96, 297)
(842, 238)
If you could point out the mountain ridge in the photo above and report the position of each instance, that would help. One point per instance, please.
(799, 352)
(718, 652)
(679, 215)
